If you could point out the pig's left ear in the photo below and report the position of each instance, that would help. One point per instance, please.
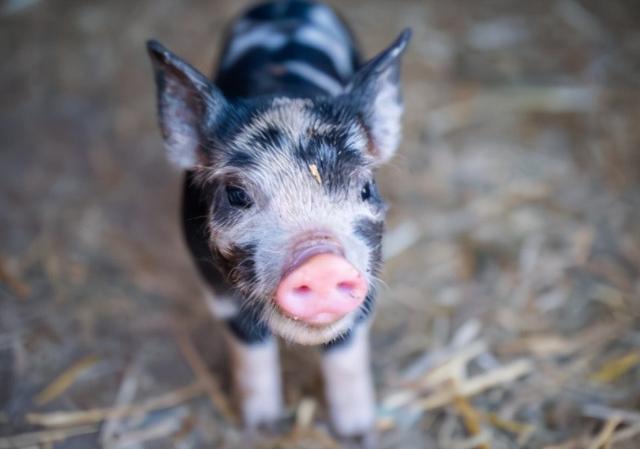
(375, 89)
(189, 106)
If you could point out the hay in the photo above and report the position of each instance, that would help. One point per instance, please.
(509, 312)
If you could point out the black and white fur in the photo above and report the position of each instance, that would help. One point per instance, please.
(283, 144)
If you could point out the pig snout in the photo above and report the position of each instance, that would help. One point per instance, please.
(320, 286)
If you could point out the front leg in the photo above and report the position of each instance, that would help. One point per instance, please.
(348, 384)
(256, 375)
(255, 365)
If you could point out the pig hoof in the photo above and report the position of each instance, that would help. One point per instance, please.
(367, 440)
(263, 417)
(353, 414)
(273, 427)
(357, 426)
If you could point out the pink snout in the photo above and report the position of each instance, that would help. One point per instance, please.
(322, 290)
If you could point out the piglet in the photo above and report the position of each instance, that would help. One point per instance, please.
(280, 208)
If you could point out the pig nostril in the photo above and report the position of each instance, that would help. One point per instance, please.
(302, 290)
(346, 287)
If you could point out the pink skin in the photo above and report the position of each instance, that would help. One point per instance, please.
(322, 289)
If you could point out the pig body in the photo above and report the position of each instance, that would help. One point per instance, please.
(280, 209)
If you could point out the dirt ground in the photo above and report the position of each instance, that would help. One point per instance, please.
(511, 312)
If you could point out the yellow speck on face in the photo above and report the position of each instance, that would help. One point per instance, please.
(315, 173)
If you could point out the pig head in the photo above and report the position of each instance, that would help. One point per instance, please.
(289, 179)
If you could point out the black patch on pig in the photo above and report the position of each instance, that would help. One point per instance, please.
(235, 117)
(242, 159)
(248, 326)
(268, 138)
(339, 341)
(371, 232)
(281, 10)
(239, 80)
(195, 216)
(295, 51)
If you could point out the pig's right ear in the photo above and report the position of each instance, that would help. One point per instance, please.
(375, 90)
(188, 105)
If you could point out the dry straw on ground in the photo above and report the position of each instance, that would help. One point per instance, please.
(510, 313)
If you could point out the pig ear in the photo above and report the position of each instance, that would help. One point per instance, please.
(188, 105)
(376, 91)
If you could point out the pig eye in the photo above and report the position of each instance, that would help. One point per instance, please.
(238, 197)
(365, 193)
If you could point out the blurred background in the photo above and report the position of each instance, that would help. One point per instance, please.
(511, 312)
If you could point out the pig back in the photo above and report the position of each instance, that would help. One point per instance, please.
(287, 48)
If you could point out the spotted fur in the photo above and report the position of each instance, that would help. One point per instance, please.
(302, 151)
(298, 124)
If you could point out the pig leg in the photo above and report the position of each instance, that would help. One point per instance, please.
(255, 365)
(348, 384)
(256, 374)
